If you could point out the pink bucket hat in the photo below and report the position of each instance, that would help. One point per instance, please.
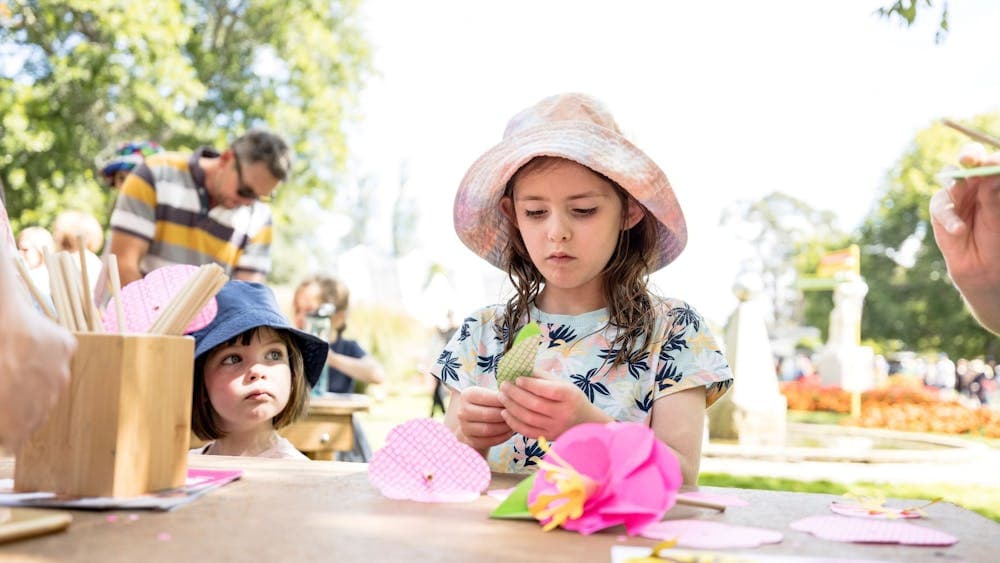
(576, 127)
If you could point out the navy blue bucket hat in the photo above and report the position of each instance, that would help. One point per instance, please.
(245, 305)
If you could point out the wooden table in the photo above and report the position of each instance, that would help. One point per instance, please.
(307, 511)
(327, 427)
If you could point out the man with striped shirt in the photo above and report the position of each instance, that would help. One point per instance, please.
(201, 208)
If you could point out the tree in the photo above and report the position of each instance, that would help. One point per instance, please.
(777, 226)
(905, 11)
(80, 75)
(910, 298)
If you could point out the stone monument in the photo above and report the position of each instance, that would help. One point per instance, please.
(754, 410)
(843, 361)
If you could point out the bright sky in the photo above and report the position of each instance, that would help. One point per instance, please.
(733, 99)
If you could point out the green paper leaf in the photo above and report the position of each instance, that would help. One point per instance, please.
(971, 172)
(515, 506)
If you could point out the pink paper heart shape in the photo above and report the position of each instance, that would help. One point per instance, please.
(143, 301)
(861, 530)
(423, 461)
(704, 534)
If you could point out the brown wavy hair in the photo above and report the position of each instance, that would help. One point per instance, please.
(626, 275)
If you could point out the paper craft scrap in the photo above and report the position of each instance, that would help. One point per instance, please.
(500, 494)
(143, 301)
(519, 361)
(601, 475)
(423, 461)
(515, 505)
(705, 534)
(860, 530)
(975, 172)
(874, 507)
(718, 498)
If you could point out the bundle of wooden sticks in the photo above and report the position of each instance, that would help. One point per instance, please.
(69, 288)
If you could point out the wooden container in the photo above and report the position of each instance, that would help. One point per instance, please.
(121, 427)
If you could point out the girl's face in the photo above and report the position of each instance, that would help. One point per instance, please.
(249, 385)
(570, 219)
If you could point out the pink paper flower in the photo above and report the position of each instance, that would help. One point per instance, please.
(601, 475)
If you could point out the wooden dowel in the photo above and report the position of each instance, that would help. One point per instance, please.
(112, 268)
(166, 315)
(85, 295)
(972, 133)
(57, 291)
(71, 283)
(214, 282)
(701, 504)
(35, 293)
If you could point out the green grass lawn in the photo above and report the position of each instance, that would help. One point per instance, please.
(404, 402)
(984, 500)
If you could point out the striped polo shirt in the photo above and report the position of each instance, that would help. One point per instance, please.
(164, 201)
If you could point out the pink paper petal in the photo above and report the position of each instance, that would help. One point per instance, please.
(112, 518)
(423, 461)
(725, 500)
(884, 513)
(144, 300)
(704, 534)
(840, 528)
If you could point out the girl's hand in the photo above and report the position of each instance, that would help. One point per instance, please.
(539, 406)
(474, 415)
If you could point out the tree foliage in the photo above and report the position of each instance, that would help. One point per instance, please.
(778, 226)
(905, 11)
(78, 76)
(911, 298)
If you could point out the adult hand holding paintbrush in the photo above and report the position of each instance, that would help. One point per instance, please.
(965, 217)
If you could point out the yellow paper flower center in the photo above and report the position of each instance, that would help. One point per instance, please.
(573, 490)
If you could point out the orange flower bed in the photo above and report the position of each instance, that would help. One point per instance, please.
(896, 407)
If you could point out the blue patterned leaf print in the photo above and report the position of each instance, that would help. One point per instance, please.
(685, 315)
(637, 363)
(449, 365)
(504, 332)
(561, 335)
(646, 403)
(675, 343)
(667, 376)
(464, 332)
(489, 363)
(532, 450)
(608, 354)
(589, 387)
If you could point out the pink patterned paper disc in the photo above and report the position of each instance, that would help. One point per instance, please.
(144, 300)
(862, 530)
(422, 461)
(705, 534)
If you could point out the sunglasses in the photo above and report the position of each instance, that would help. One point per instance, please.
(243, 190)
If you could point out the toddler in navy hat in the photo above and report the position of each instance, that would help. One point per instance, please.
(252, 375)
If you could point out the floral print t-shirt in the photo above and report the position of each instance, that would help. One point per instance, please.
(681, 354)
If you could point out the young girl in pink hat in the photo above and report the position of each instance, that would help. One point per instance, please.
(578, 217)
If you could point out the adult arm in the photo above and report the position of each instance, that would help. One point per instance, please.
(365, 368)
(129, 249)
(965, 218)
(34, 360)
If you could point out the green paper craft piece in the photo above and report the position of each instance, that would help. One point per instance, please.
(519, 361)
(970, 172)
(515, 506)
